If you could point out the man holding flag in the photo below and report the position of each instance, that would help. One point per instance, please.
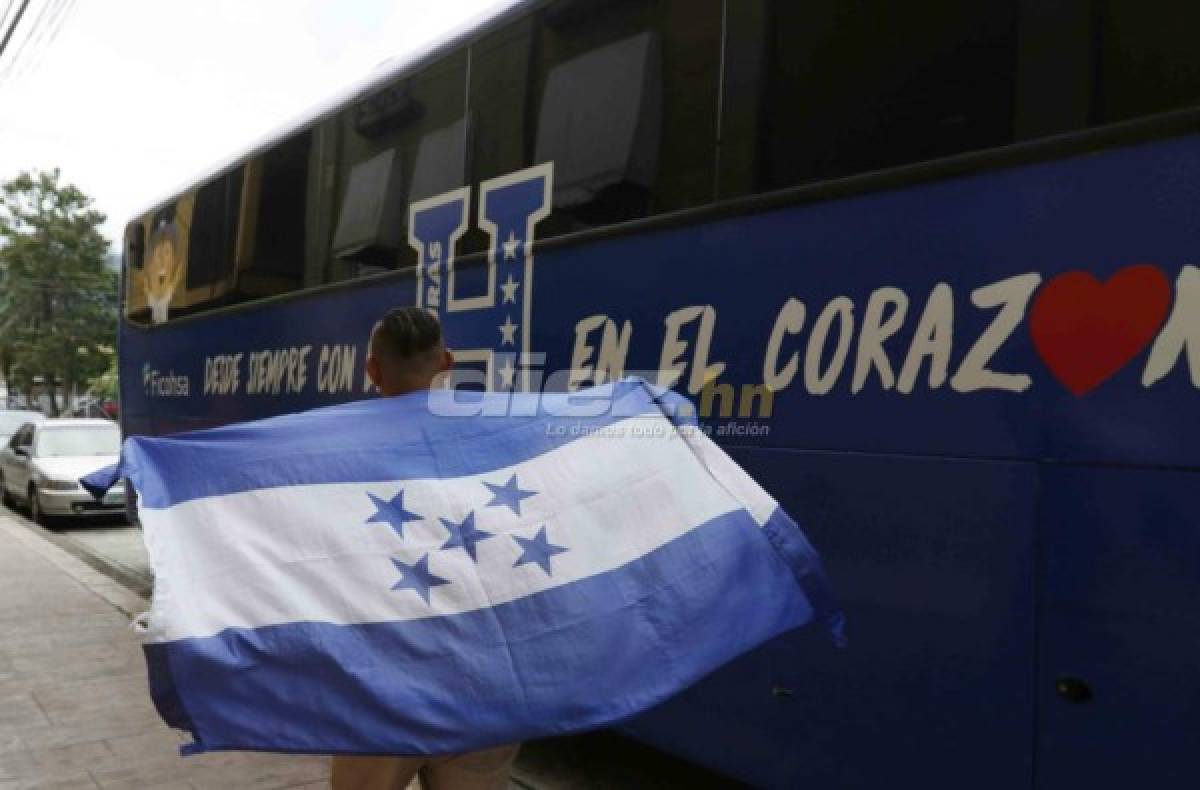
(438, 575)
(406, 354)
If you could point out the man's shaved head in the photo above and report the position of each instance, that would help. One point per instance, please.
(406, 351)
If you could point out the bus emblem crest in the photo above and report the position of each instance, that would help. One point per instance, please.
(496, 301)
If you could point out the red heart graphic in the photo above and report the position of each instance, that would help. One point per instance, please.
(1086, 330)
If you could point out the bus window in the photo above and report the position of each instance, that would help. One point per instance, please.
(156, 290)
(135, 245)
(401, 143)
(830, 88)
(155, 262)
(270, 248)
(598, 89)
(180, 257)
(135, 258)
(213, 234)
(1148, 59)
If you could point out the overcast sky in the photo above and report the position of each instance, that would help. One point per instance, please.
(132, 98)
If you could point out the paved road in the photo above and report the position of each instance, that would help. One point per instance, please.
(107, 543)
(115, 541)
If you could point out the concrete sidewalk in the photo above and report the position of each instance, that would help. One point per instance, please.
(75, 711)
(74, 708)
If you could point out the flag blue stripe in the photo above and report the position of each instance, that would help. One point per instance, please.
(343, 443)
(583, 655)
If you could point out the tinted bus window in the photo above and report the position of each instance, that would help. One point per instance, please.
(270, 249)
(158, 280)
(1148, 58)
(158, 288)
(620, 96)
(402, 143)
(135, 245)
(135, 260)
(214, 232)
(829, 88)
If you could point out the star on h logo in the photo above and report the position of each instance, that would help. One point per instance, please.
(509, 332)
(509, 287)
(465, 535)
(507, 373)
(417, 577)
(510, 246)
(510, 494)
(392, 512)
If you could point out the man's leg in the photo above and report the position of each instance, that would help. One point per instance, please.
(485, 770)
(374, 773)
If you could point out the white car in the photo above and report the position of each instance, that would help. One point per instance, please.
(42, 463)
(12, 419)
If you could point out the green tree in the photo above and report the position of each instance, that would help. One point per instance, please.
(104, 386)
(58, 300)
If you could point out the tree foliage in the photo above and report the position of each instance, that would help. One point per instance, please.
(58, 299)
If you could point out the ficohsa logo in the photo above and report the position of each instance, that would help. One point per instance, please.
(164, 385)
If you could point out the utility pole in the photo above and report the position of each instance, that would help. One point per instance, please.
(16, 21)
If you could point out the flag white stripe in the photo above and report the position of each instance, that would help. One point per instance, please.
(732, 477)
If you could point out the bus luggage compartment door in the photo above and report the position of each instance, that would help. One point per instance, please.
(1119, 628)
(932, 560)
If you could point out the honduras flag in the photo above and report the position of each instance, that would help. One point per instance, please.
(417, 575)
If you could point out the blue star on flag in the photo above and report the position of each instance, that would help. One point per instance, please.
(509, 494)
(537, 549)
(465, 535)
(417, 577)
(392, 512)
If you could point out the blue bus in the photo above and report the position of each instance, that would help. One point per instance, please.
(930, 271)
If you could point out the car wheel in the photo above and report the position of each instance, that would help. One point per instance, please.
(5, 497)
(131, 506)
(35, 507)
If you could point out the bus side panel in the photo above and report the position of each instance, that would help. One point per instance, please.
(1118, 611)
(288, 356)
(1035, 240)
(930, 558)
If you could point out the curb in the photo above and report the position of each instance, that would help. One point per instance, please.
(141, 584)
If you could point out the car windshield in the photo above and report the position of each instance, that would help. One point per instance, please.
(78, 440)
(10, 421)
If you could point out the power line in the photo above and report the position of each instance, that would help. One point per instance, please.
(46, 37)
(34, 44)
(34, 29)
(24, 41)
(4, 16)
(55, 30)
(16, 21)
